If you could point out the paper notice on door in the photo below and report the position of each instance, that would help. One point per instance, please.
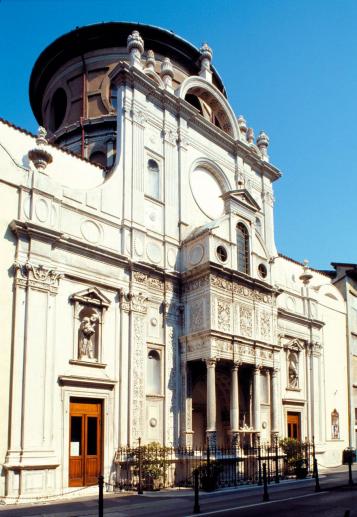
(75, 448)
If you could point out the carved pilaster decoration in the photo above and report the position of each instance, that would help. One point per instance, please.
(37, 277)
(224, 315)
(40, 156)
(171, 365)
(265, 325)
(246, 320)
(138, 391)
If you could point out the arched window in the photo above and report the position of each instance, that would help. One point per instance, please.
(113, 97)
(58, 109)
(152, 183)
(194, 101)
(153, 371)
(243, 248)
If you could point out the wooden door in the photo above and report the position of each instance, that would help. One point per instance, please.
(85, 442)
(294, 426)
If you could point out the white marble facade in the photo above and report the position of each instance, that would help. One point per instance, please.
(157, 289)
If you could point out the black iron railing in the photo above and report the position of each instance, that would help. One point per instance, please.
(163, 467)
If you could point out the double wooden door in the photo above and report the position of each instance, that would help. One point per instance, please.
(85, 444)
(294, 425)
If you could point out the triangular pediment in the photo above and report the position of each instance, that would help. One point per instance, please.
(91, 296)
(238, 198)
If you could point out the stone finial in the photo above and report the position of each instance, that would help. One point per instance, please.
(167, 73)
(135, 46)
(242, 126)
(306, 274)
(39, 156)
(250, 135)
(263, 143)
(150, 60)
(206, 59)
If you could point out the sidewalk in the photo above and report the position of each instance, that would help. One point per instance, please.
(70, 505)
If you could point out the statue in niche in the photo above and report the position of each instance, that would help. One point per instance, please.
(293, 370)
(87, 342)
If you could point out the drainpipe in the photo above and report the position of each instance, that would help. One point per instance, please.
(84, 95)
(84, 103)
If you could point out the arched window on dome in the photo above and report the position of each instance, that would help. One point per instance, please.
(58, 109)
(113, 97)
(152, 179)
(153, 371)
(242, 249)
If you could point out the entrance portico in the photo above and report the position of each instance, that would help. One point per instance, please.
(226, 404)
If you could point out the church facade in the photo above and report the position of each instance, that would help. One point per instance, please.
(143, 294)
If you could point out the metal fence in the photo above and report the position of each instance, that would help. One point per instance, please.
(152, 466)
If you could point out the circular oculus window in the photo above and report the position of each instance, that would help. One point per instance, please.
(206, 192)
(262, 270)
(222, 253)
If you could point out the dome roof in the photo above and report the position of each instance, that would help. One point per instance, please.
(109, 35)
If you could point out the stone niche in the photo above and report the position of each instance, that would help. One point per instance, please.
(90, 306)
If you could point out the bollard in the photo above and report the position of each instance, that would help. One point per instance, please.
(100, 498)
(317, 481)
(350, 480)
(196, 506)
(140, 485)
(265, 483)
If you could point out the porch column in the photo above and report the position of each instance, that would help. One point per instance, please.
(256, 399)
(211, 402)
(274, 402)
(235, 403)
(186, 405)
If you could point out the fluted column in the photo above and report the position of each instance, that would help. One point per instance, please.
(256, 398)
(235, 403)
(211, 402)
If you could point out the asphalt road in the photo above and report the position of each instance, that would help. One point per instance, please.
(286, 499)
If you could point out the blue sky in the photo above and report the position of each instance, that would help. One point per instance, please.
(289, 66)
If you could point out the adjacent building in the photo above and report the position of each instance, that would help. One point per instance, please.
(142, 292)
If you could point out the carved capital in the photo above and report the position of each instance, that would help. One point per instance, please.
(37, 277)
(211, 362)
(236, 365)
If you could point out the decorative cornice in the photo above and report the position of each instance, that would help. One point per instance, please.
(299, 318)
(92, 382)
